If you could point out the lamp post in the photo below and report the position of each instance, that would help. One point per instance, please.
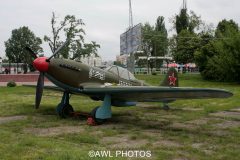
(0, 65)
(131, 61)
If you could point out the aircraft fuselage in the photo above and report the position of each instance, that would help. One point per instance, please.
(76, 75)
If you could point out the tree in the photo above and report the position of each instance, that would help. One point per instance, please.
(147, 38)
(219, 59)
(186, 44)
(160, 40)
(187, 41)
(195, 22)
(71, 28)
(225, 64)
(226, 29)
(86, 50)
(154, 42)
(15, 46)
(147, 44)
(201, 56)
(182, 21)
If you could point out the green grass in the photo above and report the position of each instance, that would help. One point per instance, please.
(167, 134)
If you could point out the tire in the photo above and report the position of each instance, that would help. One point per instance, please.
(67, 110)
(64, 110)
(97, 120)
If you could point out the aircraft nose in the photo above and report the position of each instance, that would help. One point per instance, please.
(41, 64)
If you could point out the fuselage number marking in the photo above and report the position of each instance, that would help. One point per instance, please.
(93, 73)
(122, 83)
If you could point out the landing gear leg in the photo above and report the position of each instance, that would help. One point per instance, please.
(64, 109)
(102, 113)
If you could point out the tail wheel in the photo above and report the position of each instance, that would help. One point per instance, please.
(93, 115)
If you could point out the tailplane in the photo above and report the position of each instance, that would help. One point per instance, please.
(171, 79)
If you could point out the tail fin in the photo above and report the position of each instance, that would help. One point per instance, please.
(171, 79)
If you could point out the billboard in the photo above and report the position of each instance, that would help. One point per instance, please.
(131, 40)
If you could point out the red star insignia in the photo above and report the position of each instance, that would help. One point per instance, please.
(172, 80)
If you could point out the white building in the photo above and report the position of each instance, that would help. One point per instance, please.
(92, 60)
(122, 59)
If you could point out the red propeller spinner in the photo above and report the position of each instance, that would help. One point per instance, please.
(41, 64)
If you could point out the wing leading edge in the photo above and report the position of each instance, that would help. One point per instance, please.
(154, 94)
(145, 93)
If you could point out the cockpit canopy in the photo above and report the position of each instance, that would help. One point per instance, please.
(121, 72)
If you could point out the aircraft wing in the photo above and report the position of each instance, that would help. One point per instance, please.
(154, 94)
(145, 93)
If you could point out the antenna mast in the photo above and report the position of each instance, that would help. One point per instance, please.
(130, 15)
(184, 4)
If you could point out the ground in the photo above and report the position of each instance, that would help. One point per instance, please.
(192, 129)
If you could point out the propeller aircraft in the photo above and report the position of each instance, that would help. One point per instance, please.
(114, 86)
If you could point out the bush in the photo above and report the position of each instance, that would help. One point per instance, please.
(154, 73)
(219, 59)
(11, 84)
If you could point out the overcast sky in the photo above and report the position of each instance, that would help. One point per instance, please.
(105, 19)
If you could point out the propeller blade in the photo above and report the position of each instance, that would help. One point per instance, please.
(39, 90)
(59, 49)
(34, 55)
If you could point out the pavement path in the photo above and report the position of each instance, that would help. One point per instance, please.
(27, 83)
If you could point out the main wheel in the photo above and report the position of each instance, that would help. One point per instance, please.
(97, 120)
(64, 110)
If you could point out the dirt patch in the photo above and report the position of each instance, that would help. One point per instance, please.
(201, 121)
(109, 126)
(146, 105)
(12, 118)
(227, 124)
(235, 110)
(152, 115)
(183, 126)
(97, 133)
(227, 114)
(208, 149)
(152, 133)
(180, 159)
(220, 133)
(119, 142)
(53, 131)
(166, 143)
(171, 117)
(192, 109)
(197, 145)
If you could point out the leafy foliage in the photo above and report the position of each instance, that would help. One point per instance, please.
(226, 29)
(217, 55)
(11, 84)
(147, 42)
(155, 42)
(160, 40)
(182, 21)
(71, 27)
(15, 46)
(220, 58)
(184, 44)
(88, 48)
